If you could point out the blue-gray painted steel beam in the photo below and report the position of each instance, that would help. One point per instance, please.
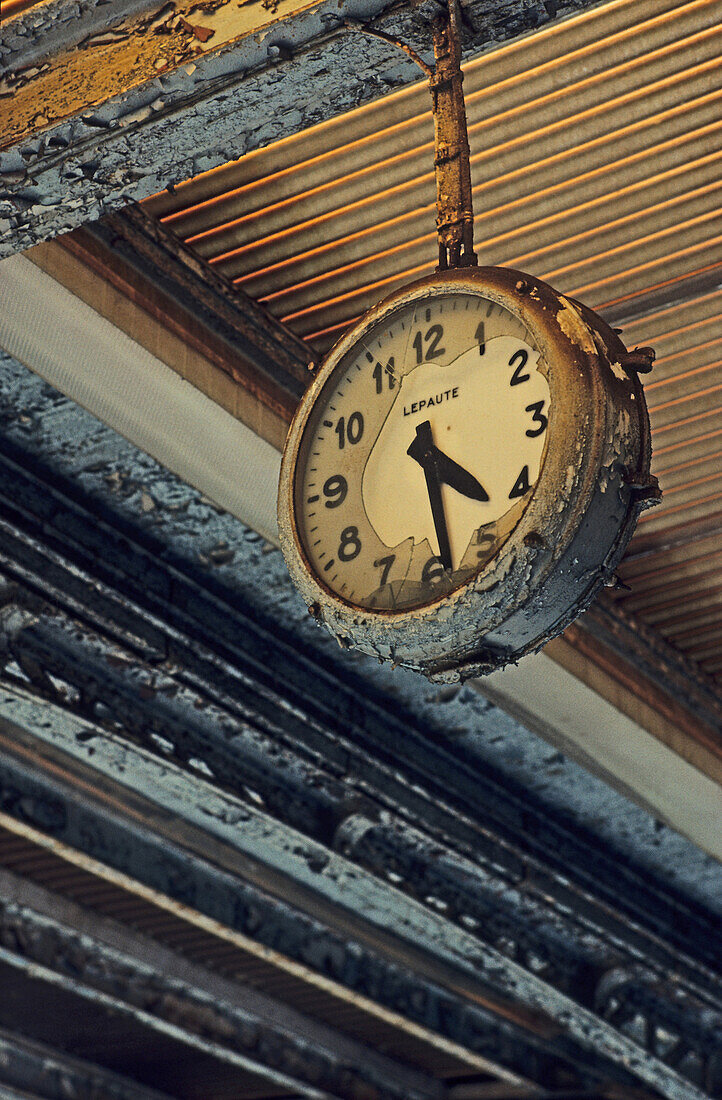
(447, 846)
(97, 962)
(44, 1072)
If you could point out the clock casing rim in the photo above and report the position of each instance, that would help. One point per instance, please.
(597, 453)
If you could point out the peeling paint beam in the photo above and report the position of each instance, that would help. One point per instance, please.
(208, 885)
(105, 969)
(375, 841)
(169, 93)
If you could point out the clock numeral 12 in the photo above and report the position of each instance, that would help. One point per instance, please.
(480, 338)
(432, 337)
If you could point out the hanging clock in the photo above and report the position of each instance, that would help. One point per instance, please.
(464, 472)
(469, 464)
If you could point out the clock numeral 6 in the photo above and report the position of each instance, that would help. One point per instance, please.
(350, 544)
(432, 337)
(351, 430)
(538, 418)
(335, 489)
(433, 569)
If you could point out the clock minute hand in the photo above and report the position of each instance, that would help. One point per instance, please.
(459, 478)
(422, 450)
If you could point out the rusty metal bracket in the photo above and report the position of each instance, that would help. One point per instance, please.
(455, 216)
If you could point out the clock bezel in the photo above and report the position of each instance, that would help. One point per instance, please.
(597, 441)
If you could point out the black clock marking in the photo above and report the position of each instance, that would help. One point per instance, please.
(385, 565)
(521, 485)
(432, 337)
(335, 489)
(538, 418)
(521, 359)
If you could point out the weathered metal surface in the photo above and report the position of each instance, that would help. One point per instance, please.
(225, 102)
(373, 838)
(48, 1073)
(606, 1055)
(302, 944)
(592, 486)
(455, 215)
(97, 959)
(120, 572)
(56, 26)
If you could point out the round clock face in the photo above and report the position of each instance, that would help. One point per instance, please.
(422, 452)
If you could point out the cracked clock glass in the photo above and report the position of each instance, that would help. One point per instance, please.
(422, 452)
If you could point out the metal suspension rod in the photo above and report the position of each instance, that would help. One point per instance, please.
(455, 216)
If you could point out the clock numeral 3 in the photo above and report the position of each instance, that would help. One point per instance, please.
(521, 485)
(433, 338)
(379, 372)
(353, 430)
(335, 489)
(519, 358)
(350, 544)
(384, 564)
(538, 418)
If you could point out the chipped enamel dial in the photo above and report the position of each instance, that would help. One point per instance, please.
(464, 472)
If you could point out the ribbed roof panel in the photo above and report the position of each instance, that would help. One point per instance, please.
(596, 151)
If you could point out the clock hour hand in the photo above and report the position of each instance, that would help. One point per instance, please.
(422, 450)
(458, 478)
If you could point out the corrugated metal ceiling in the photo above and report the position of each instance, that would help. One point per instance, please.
(596, 159)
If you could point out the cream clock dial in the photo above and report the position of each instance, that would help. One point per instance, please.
(465, 471)
(422, 452)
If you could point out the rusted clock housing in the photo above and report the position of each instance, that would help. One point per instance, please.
(593, 483)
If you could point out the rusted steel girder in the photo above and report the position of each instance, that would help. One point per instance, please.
(164, 101)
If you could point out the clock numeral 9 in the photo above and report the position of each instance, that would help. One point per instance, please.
(384, 564)
(433, 338)
(350, 544)
(335, 489)
(538, 418)
(353, 430)
(519, 361)
(433, 569)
